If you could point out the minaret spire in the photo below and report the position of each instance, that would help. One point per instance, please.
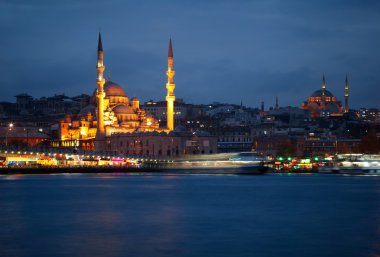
(170, 52)
(100, 94)
(170, 86)
(323, 91)
(276, 107)
(100, 45)
(346, 108)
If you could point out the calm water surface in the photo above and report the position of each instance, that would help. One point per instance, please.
(189, 215)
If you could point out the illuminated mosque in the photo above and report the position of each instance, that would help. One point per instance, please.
(112, 112)
(323, 103)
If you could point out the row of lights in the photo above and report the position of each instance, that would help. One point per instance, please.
(88, 156)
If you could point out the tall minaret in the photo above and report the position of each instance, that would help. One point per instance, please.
(323, 91)
(276, 106)
(170, 98)
(346, 95)
(100, 94)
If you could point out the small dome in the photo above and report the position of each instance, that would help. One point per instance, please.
(123, 109)
(89, 108)
(318, 93)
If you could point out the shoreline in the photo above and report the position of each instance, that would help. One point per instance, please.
(132, 170)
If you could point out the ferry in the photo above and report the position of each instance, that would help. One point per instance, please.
(357, 164)
(222, 163)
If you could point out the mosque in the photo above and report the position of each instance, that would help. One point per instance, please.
(111, 111)
(112, 122)
(323, 103)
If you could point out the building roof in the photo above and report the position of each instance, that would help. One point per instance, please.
(113, 89)
(319, 93)
(23, 95)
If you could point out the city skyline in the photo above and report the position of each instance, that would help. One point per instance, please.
(249, 52)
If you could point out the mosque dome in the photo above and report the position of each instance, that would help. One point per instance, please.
(89, 108)
(318, 93)
(113, 89)
(123, 109)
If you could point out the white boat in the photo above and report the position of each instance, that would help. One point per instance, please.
(367, 164)
(224, 163)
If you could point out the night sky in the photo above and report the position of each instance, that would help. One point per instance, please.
(226, 51)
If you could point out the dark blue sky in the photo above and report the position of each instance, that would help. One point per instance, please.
(224, 51)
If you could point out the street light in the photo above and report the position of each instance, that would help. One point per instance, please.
(6, 134)
(27, 136)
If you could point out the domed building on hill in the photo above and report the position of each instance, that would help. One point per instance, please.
(323, 103)
(119, 115)
(115, 123)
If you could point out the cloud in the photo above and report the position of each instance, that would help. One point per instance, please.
(224, 50)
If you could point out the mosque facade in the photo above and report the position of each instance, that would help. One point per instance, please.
(113, 122)
(111, 112)
(323, 103)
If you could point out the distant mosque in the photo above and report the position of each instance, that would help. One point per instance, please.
(111, 112)
(323, 103)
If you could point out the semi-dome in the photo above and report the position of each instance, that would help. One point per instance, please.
(318, 93)
(123, 109)
(89, 108)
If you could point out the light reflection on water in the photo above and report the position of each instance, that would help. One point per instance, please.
(136, 215)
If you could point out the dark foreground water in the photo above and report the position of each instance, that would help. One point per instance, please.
(142, 215)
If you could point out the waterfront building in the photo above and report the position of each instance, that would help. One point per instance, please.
(233, 139)
(177, 142)
(12, 135)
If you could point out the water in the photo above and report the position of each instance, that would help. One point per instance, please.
(161, 215)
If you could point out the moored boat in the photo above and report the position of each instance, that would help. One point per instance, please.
(226, 163)
(358, 164)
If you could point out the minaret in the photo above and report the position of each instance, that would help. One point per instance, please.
(276, 107)
(346, 95)
(170, 98)
(323, 91)
(100, 94)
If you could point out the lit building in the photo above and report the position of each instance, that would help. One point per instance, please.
(323, 103)
(16, 136)
(110, 111)
(113, 122)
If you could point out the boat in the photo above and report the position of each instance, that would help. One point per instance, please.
(358, 164)
(223, 163)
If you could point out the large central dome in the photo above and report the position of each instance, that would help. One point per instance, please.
(113, 89)
(319, 93)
